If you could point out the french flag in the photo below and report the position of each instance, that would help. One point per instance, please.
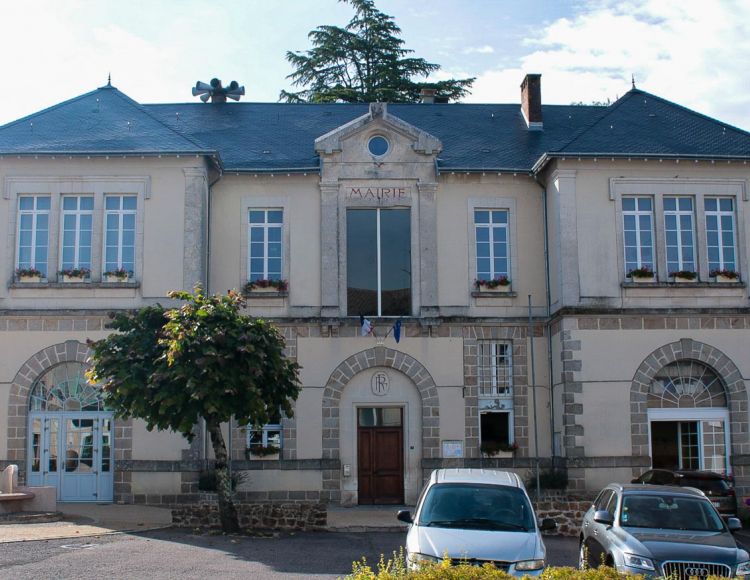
(366, 326)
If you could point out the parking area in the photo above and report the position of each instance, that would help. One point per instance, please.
(180, 554)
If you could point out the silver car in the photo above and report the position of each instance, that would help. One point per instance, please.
(660, 531)
(476, 516)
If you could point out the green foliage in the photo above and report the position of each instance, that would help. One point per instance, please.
(172, 367)
(395, 568)
(548, 479)
(207, 480)
(364, 62)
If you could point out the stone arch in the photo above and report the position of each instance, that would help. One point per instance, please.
(378, 356)
(18, 407)
(716, 360)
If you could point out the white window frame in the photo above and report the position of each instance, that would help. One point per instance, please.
(718, 213)
(698, 189)
(678, 214)
(265, 226)
(497, 386)
(78, 213)
(265, 429)
(120, 213)
(490, 226)
(699, 415)
(34, 218)
(637, 214)
(511, 423)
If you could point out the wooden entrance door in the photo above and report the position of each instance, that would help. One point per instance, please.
(380, 457)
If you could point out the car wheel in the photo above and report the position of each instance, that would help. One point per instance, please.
(582, 557)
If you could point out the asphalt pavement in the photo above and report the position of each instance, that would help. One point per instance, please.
(174, 553)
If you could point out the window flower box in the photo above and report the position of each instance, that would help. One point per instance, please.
(266, 286)
(684, 277)
(117, 276)
(726, 276)
(74, 275)
(29, 275)
(263, 452)
(494, 450)
(497, 285)
(642, 275)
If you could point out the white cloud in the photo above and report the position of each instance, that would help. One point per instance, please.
(687, 52)
(486, 49)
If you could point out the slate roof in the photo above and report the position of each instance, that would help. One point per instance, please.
(276, 136)
(103, 121)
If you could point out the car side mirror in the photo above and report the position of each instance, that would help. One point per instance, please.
(603, 517)
(404, 516)
(547, 525)
(734, 524)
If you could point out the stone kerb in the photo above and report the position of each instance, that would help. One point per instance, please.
(378, 356)
(688, 349)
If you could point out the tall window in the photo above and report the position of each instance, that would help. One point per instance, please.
(119, 236)
(77, 220)
(638, 232)
(720, 238)
(265, 251)
(33, 232)
(378, 262)
(495, 368)
(491, 234)
(680, 234)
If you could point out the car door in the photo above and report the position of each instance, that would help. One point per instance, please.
(593, 532)
(605, 536)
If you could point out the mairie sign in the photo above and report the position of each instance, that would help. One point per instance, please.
(375, 192)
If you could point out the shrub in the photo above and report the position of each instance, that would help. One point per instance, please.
(396, 568)
(207, 480)
(548, 479)
(642, 272)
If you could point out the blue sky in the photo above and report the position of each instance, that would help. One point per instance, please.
(689, 51)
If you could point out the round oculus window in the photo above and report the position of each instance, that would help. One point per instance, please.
(378, 145)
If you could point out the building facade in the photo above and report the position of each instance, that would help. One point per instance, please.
(492, 248)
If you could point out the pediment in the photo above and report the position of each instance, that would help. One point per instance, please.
(378, 117)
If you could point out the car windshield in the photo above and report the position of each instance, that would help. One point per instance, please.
(476, 506)
(669, 512)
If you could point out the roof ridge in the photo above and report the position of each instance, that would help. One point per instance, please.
(141, 108)
(607, 112)
(696, 113)
(48, 109)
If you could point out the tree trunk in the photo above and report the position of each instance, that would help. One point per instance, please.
(227, 512)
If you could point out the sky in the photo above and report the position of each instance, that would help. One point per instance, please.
(693, 52)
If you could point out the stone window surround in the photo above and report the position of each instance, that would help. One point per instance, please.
(698, 189)
(18, 411)
(716, 360)
(378, 356)
(490, 203)
(414, 222)
(57, 186)
(264, 202)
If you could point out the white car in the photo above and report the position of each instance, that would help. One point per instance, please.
(476, 516)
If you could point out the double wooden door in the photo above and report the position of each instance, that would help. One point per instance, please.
(380, 458)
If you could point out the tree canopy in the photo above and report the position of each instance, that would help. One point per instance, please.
(364, 62)
(172, 367)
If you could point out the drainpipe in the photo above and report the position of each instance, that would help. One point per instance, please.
(548, 323)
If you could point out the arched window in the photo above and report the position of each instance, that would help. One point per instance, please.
(65, 388)
(686, 384)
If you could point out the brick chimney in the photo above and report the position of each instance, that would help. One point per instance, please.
(531, 101)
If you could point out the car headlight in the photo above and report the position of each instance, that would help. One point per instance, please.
(530, 565)
(416, 557)
(743, 568)
(634, 561)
